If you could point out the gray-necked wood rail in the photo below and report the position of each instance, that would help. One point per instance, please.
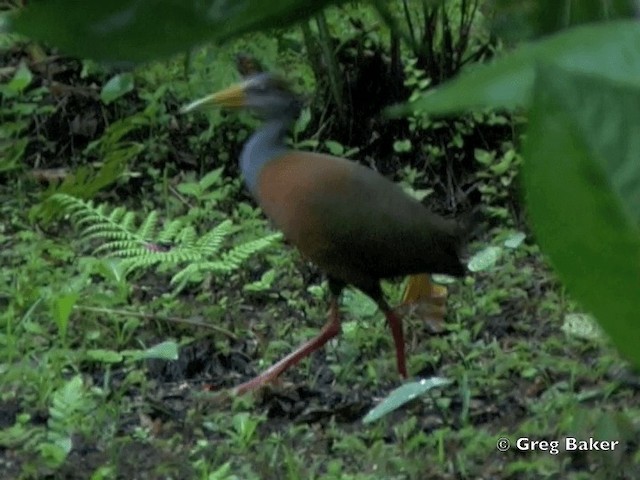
(357, 226)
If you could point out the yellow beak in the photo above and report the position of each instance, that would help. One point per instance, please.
(232, 97)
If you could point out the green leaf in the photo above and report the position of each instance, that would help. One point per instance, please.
(484, 157)
(581, 325)
(265, 282)
(222, 473)
(302, 122)
(515, 240)
(12, 153)
(104, 356)
(17, 434)
(402, 146)
(190, 188)
(142, 30)
(164, 351)
(55, 452)
(211, 178)
(334, 147)
(116, 87)
(110, 269)
(484, 259)
(443, 279)
(552, 15)
(67, 399)
(505, 165)
(21, 79)
(610, 49)
(582, 183)
(62, 308)
(402, 395)
(358, 304)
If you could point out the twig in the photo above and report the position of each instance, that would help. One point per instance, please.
(179, 196)
(148, 316)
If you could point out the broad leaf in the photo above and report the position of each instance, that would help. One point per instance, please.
(62, 306)
(116, 87)
(21, 80)
(552, 15)
(167, 350)
(140, 30)
(104, 355)
(582, 181)
(484, 259)
(581, 325)
(515, 240)
(402, 395)
(609, 49)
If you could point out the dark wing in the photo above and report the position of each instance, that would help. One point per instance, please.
(377, 230)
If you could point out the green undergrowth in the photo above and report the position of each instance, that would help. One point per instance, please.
(80, 397)
(139, 283)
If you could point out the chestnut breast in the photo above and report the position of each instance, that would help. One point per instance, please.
(295, 191)
(352, 222)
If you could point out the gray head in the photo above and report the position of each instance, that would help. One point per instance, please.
(266, 94)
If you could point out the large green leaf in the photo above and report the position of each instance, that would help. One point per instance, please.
(403, 394)
(609, 49)
(582, 182)
(139, 30)
(552, 15)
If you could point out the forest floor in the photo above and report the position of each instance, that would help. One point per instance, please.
(76, 403)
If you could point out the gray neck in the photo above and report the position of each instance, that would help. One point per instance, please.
(264, 145)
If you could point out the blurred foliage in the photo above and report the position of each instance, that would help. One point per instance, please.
(105, 132)
(134, 31)
(608, 49)
(598, 227)
(517, 20)
(583, 185)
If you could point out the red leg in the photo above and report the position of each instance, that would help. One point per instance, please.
(330, 330)
(398, 339)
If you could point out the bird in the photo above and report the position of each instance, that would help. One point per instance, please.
(354, 224)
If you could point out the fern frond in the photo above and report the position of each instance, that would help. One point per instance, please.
(180, 279)
(121, 248)
(187, 235)
(170, 231)
(140, 262)
(210, 242)
(240, 253)
(105, 233)
(173, 245)
(149, 226)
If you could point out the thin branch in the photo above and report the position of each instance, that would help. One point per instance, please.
(149, 316)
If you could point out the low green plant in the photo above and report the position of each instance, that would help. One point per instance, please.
(497, 178)
(69, 413)
(174, 245)
(243, 429)
(114, 150)
(19, 103)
